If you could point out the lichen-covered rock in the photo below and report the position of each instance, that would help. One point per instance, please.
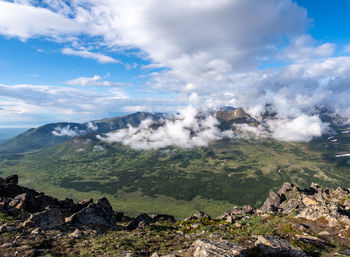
(332, 213)
(99, 214)
(271, 203)
(47, 219)
(272, 246)
(208, 248)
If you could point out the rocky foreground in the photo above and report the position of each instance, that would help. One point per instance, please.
(292, 222)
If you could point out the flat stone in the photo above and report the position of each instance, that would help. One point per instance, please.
(222, 248)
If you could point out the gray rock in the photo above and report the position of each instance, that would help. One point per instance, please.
(286, 187)
(47, 219)
(76, 234)
(272, 246)
(208, 248)
(271, 203)
(198, 215)
(143, 219)
(162, 218)
(99, 214)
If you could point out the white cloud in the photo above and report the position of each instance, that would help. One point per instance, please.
(136, 108)
(186, 129)
(212, 51)
(66, 131)
(92, 126)
(302, 128)
(37, 103)
(303, 50)
(95, 81)
(101, 58)
(25, 21)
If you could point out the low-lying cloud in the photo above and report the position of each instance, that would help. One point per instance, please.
(187, 129)
(66, 131)
(70, 131)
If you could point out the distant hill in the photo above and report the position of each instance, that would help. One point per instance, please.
(56, 133)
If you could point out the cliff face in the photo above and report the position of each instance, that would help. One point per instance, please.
(291, 222)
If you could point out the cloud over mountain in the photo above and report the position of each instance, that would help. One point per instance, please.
(253, 54)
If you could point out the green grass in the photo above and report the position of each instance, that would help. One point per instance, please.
(178, 182)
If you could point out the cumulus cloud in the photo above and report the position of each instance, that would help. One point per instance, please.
(302, 128)
(101, 58)
(66, 131)
(206, 53)
(187, 129)
(91, 126)
(25, 21)
(71, 131)
(95, 81)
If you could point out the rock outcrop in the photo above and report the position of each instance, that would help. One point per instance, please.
(272, 246)
(312, 203)
(292, 222)
(99, 214)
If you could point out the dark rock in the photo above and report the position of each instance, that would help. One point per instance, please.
(27, 202)
(47, 219)
(143, 218)
(99, 214)
(12, 190)
(13, 179)
(198, 215)
(84, 203)
(162, 218)
(119, 216)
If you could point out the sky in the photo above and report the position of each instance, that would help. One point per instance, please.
(81, 60)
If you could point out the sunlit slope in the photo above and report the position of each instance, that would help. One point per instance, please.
(211, 178)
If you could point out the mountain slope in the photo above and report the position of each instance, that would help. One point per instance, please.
(44, 136)
(226, 172)
(229, 171)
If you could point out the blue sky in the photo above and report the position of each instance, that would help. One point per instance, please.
(62, 61)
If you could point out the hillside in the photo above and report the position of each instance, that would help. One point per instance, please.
(44, 136)
(292, 222)
(229, 171)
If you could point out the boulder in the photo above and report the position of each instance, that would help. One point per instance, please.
(27, 202)
(143, 219)
(222, 248)
(272, 246)
(271, 203)
(162, 218)
(198, 215)
(286, 187)
(332, 213)
(13, 179)
(47, 219)
(76, 234)
(99, 214)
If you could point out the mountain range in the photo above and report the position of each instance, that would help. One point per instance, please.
(67, 159)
